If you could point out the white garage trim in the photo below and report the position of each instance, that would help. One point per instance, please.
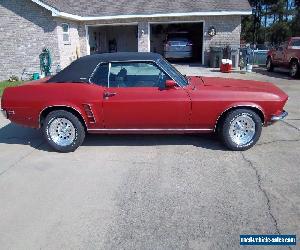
(47, 7)
(210, 13)
(178, 22)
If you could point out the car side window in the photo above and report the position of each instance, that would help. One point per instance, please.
(136, 74)
(295, 43)
(100, 76)
(280, 48)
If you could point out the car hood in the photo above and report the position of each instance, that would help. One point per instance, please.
(229, 84)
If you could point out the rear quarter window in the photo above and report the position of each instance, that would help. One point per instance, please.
(100, 76)
(295, 43)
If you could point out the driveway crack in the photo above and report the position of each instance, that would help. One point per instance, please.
(292, 126)
(259, 184)
(20, 159)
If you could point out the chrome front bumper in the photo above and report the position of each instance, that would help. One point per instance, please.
(280, 117)
(4, 113)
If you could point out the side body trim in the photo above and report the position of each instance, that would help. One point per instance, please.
(150, 129)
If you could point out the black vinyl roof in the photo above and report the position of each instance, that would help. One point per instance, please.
(81, 69)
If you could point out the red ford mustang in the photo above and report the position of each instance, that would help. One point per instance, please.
(141, 93)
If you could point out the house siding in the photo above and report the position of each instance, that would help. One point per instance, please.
(228, 33)
(68, 51)
(25, 29)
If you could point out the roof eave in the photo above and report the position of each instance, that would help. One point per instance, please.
(46, 6)
(210, 13)
(65, 15)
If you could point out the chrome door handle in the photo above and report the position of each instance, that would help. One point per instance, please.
(108, 94)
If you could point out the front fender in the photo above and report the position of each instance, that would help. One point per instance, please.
(241, 105)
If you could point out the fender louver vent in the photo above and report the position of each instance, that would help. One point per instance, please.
(89, 113)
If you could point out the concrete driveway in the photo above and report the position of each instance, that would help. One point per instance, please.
(151, 192)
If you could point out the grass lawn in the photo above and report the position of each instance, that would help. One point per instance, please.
(5, 84)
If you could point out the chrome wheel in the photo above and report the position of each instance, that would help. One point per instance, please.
(242, 130)
(62, 131)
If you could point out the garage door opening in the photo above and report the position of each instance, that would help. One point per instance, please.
(113, 38)
(184, 34)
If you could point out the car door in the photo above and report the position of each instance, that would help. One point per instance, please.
(99, 83)
(279, 56)
(276, 55)
(136, 98)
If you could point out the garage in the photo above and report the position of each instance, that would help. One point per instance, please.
(113, 38)
(162, 33)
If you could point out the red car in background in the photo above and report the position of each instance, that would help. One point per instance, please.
(286, 56)
(141, 93)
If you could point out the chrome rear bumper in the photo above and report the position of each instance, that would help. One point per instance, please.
(178, 54)
(280, 117)
(4, 113)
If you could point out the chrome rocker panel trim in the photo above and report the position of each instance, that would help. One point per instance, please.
(151, 130)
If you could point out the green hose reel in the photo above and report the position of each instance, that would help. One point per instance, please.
(45, 62)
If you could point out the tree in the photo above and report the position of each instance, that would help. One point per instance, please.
(272, 21)
(279, 32)
(295, 24)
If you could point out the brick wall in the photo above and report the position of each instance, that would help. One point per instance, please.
(25, 29)
(228, 33)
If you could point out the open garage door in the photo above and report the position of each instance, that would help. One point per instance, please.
(177, 36)
(113, 38)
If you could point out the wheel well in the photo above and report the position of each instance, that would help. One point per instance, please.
(294, 60)
(46, 111)
(224, 114)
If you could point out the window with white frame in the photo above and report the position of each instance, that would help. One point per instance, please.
(66, 32)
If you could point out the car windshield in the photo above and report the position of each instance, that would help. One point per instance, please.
(172, 36)
(174, 73)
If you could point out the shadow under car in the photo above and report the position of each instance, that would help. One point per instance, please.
(15, 134)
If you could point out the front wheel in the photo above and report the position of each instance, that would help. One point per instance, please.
(241, 129)
(294, 69)
(63, 131)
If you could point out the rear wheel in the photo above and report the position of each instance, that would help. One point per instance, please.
(241, 129)
(270, 66)
(63, 131)
(294, 69)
